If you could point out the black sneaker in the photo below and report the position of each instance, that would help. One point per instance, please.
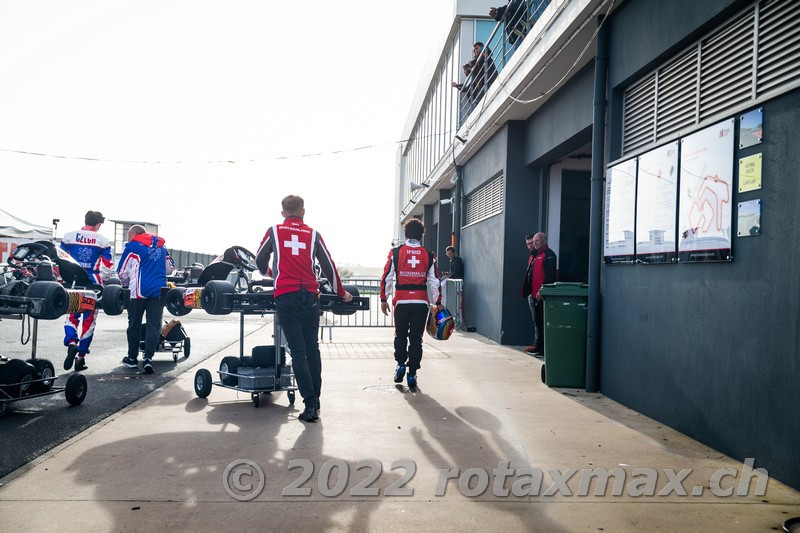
(80, 364)
(309, 415)
(399, 373)
(148, 367)
(412, 381)
(72, 351)
(130, 363)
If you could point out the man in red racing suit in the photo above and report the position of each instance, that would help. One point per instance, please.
(410, 273)
(293, 247)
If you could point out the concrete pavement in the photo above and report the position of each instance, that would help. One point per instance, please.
(160, 462)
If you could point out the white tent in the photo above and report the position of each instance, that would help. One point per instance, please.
(15, 228)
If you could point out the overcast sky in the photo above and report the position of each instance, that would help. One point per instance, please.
(203, 81)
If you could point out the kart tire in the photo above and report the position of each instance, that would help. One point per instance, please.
(544, 375)
(187, 347)
(75, 390)
(352, 290)
(113, 300)
(44, 370)
(216, 297)
(229, 364)
(174, 303)
(56, 301)
(113, 281)
(16, 375)
(202, 383)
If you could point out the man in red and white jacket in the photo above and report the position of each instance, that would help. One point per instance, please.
(410, 273)
(292, 247)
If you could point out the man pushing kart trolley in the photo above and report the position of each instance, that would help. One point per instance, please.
(292, 247)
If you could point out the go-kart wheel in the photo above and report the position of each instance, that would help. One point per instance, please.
(229, 364)
(174, 304)
(75, 391)
(45, 371)
(544, 375)
(256, 399)
(187, 347)
(174, 357)
(247, 360)
(113, 299)
(202, 383)
(353, 291)
(55, 301)
(15, 377)
(290, 394)
(216, 297)
(113, 280)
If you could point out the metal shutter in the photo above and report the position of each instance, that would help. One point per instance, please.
(778, 44)
(485, 202)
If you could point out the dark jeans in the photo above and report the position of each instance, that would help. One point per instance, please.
(537, 313)
(136, 310)
(409, 325)
(298, 314)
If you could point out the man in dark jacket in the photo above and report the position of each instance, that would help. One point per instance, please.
(143, 268)
(541, 270)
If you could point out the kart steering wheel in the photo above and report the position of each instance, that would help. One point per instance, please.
(36, 251)
(245, 258)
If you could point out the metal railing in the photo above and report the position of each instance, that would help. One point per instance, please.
(517, 19)
(453, 300)
(373, 318)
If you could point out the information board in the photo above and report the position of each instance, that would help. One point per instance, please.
(706, 178)
(657, 205)
(620, 222)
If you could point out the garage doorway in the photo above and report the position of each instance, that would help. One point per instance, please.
(573, 245)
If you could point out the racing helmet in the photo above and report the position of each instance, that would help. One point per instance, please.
(440, 324)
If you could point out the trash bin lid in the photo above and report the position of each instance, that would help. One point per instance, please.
(565, 289)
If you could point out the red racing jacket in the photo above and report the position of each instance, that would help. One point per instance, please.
(293, 247)
(411, 272)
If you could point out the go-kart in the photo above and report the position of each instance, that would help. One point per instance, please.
(22, 380)
(45, 282)
(172, 339)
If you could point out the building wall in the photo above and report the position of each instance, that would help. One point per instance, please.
(712, 349)
(482, 247)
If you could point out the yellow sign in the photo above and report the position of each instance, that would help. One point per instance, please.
(750, 173)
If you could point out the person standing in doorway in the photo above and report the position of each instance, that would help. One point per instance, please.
(541, 270)
(410, 273)
(456, 264)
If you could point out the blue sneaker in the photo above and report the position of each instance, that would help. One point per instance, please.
(412, 381)
(399, 373)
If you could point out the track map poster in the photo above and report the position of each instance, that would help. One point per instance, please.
(705, 194)
(618, 241)
(657, 205)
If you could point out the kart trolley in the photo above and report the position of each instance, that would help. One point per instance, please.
(265, 370)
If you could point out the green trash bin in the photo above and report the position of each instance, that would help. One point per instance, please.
(565, 310)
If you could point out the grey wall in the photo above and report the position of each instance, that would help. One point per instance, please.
(713, 350)
(553, 131)
(482, 245)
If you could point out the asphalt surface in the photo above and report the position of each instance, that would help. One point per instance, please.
(31, 427)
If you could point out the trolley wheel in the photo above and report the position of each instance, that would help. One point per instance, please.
(544, 376)
(175, 357)
(75, 391)
(45, 371)
(230, 364)
(256, 400)
(187, 347)
(202, 383)
(290, 394)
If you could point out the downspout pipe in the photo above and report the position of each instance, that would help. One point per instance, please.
(457, 200)
(596, 213)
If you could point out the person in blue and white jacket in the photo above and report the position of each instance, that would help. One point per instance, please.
(143, 268)
(93, 252)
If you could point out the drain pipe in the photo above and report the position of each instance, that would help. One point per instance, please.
(596, 213)
(457, 194)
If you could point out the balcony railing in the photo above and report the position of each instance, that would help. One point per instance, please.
(515, 22)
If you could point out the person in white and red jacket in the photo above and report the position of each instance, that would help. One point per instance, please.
(93, 252)
(410, 273)
(144, 266)
(288, 251)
